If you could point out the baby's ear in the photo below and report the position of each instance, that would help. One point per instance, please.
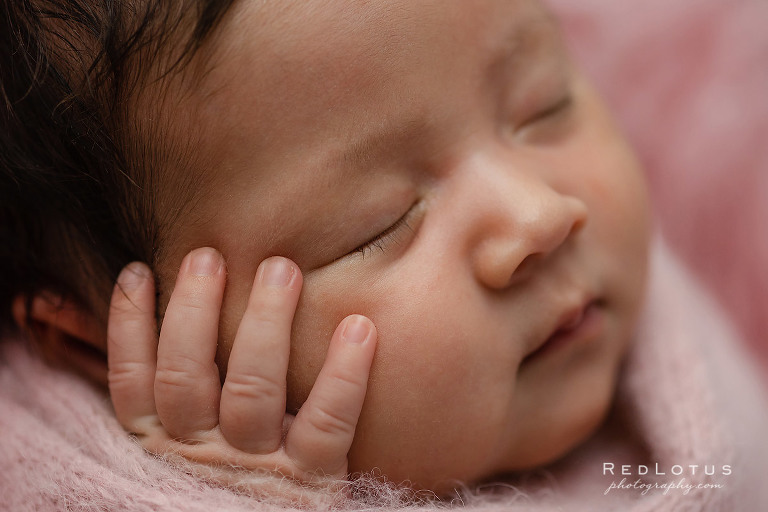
(65, 334)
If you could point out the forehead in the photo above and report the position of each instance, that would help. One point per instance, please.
(297, 84)
(320, 67)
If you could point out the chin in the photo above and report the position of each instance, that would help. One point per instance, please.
(530, 454)
(546, 445)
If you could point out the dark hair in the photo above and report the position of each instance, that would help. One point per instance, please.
(75, 184)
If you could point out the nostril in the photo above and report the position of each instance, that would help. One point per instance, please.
(580, 217)
(525, 267)
(577, 226)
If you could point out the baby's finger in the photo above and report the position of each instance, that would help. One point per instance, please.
(253, 396)
(321, 434)
(132, 346)
(187, 383)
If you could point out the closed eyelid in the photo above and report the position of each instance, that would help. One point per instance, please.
(557, 107)
(407, 223)
(381, 240)
(551, 124)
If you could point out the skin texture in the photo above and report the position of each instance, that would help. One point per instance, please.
(320, 124)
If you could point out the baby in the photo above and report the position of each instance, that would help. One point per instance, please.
(440, 169)
(402, 237)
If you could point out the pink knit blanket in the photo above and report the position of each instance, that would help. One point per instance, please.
(688, 434)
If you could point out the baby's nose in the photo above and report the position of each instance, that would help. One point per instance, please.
(527, 221)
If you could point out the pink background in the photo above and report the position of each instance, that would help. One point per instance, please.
(688, 82)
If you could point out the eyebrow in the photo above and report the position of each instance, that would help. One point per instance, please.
(373, 149)
(523, 41)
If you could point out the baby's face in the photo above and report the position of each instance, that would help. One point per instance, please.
(510, 206)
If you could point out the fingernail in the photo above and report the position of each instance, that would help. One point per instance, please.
(356, 329)
(204, 262)
(133, 275)
(276, 271)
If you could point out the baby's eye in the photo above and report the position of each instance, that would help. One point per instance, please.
(395, 234)
(548, 124)
(552, 110)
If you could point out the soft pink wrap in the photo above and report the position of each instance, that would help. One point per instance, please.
(689, 393)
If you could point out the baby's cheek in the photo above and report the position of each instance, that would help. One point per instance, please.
(313, 327)
(437, 399)
(432, 413)
(406, 355)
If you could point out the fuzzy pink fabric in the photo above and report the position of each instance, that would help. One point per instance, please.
(689, 394)
(688, 80)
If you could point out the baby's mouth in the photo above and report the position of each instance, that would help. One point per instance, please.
(578, 324)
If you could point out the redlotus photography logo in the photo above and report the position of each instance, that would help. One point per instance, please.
(683, 478)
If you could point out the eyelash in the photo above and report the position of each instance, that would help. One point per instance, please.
(390, 235)
(562, 105)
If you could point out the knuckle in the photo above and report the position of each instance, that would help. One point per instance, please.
(182, 361)
(126, 311)
(120, 304)
(191, 301)
(269, 322)
(255, 388)
(174, 378)
(127, 336)
(125, 373)
(330, 422)
(195, 293)
(347, 381)
(268, 314)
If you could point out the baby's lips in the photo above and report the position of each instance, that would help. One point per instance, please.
(571, 317)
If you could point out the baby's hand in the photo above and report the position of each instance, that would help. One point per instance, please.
(167, 391)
